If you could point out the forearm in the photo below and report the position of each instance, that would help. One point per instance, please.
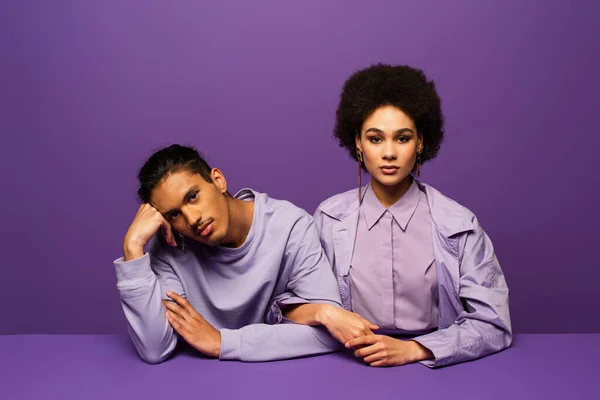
(262, 342)
(140, 294)
(307, 314)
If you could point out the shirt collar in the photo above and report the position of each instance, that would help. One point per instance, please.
(402, 210)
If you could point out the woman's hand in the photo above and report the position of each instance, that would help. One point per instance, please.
(385, 351)
(344, 325)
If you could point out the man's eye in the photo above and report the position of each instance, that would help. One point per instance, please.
(194, 196)
(173, 216)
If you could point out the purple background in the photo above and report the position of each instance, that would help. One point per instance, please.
(89, 89)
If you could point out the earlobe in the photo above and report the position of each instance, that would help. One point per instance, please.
(358, 148)
(219, 180)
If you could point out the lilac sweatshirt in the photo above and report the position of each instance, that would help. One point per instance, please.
(239, 291)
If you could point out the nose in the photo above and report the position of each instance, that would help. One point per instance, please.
(388, 151)
(191, 218)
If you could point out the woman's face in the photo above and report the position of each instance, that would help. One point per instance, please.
(389, 143)
(195, 208)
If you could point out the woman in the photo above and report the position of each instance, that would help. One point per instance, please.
(409, 261)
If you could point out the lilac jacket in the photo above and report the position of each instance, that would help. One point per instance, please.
(474, 318)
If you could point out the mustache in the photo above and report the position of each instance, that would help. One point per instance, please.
(202, 224)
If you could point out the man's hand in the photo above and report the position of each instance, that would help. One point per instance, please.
(385, 351)
(192, 326)
(146, 223)
(344, 325)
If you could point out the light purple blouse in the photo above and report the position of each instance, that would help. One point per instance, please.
(392, 278)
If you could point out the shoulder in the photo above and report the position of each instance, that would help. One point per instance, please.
(281, 212)
(448, 215)
(339, 205)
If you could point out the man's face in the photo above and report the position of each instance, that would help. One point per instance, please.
(195, 208)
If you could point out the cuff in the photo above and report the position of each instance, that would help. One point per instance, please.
(442, 353)
(133, 272)
(275, 316)
(231, 344)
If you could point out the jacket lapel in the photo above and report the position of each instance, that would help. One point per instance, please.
(344, 235)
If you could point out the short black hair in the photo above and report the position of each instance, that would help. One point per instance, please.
(400, 86)
(166, 161)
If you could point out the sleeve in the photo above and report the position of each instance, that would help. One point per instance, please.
(484, 326)
(262, 342)
(310, 280)
(142, 284)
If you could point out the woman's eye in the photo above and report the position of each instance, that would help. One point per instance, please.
(403, 139)
(374, 139)
(194, 196)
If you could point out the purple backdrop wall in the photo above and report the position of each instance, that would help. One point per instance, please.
(89, 89)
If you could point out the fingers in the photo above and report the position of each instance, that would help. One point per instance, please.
(182, 301)
(174, 308)
(167, 232)
(346, 335)
(367, 351)
(371, 325)
(165, 226)
(178, 323)
(362, 341)
(367, 325)
(373, 358)
(379, 363)
(146, 223)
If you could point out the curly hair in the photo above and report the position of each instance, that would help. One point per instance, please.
(400, 86)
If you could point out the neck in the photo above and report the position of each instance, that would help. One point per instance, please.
(388, 195)
(241, 214)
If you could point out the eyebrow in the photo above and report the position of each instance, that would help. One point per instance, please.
(399, 131)
(186, 197)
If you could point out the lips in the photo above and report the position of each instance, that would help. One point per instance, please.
(389, 169)
(205, 227)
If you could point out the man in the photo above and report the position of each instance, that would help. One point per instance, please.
(222, 269)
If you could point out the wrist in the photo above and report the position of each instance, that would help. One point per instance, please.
(323, 313)
(132, 251)
(421, 352)
(217, 345)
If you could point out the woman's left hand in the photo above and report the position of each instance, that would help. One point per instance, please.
(385, 351)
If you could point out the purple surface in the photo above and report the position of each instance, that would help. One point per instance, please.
(89, 89)
(106, 367)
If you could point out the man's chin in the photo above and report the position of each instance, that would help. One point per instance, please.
(211, 241)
